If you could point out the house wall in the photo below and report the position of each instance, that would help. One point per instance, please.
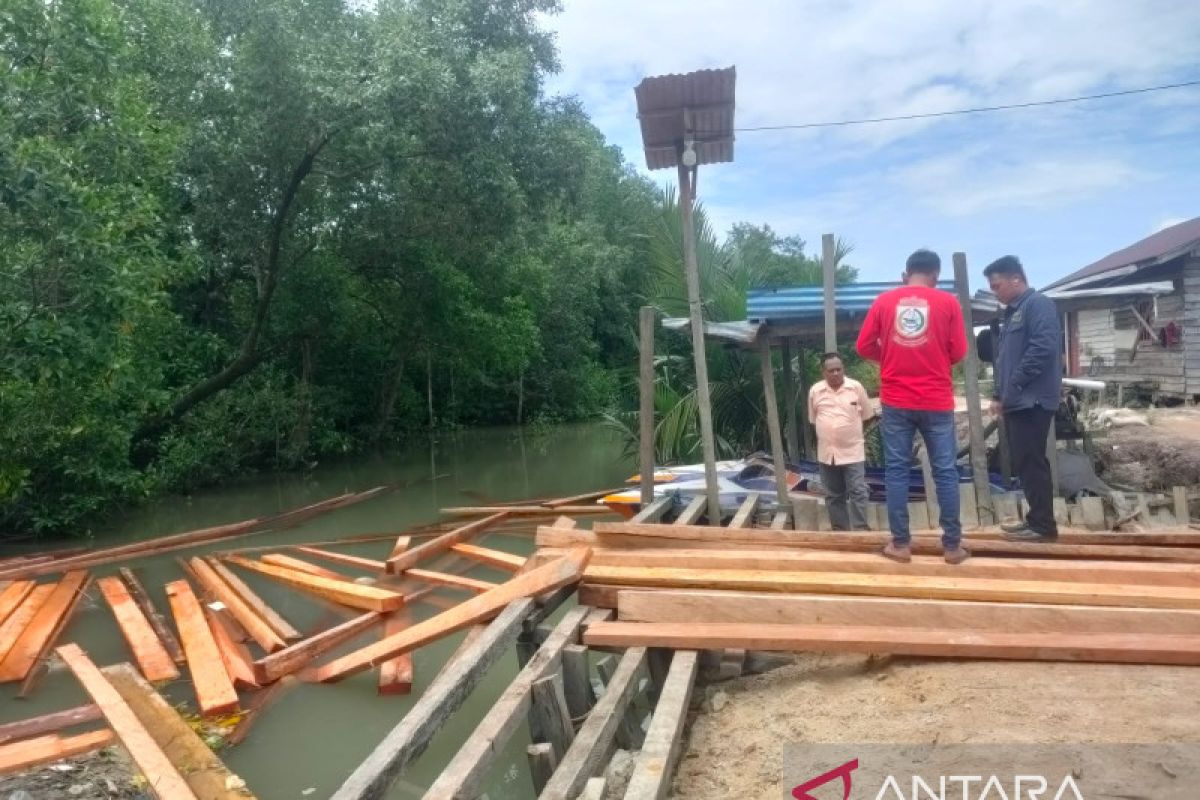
(1191, 323)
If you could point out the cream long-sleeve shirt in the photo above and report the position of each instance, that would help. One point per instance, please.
(838, 415)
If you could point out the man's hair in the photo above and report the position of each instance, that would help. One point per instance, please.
(827, 357)
(924, 261)
(1006, 265)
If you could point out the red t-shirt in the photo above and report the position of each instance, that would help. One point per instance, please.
(916, 335)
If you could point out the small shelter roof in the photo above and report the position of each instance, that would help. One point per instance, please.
(699, 105)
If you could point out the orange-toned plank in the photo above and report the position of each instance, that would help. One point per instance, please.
(278, 624)
(396, 674)
(441, 544)
(22, 755)
(285, 662)
(214, 689)
(12, 595)
(358, 562)
(49, 723)
(22, 616)
(249, 619)
(287, 562)
(234, 655)
(152, 658)
(400, 546)
(39, 635)
(446, 579)
(367, 598)
(156, 619)
(493, 558)
(556, 574)
(161, 776)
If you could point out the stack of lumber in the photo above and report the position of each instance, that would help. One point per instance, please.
(1118, 598)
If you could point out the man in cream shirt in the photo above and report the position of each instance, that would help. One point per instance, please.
(837, 406)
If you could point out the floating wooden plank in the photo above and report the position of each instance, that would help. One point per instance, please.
(915, 586)
(152, 614)
(248, 617)
(463, 777)
(580, 498)
(20, 618)
(409, 558)
(239, 666)
(152, 658)
(287, 562)
(525, 511)
(446, 579)
(12, 596)
(294, 658)
(213, 603)
(269, 615)
(43, 629)
(205, 774)
(50, 723)
(402, 544)
(655, 511)
(694, 605)
(162, 778)
(1125, 648)
(554, 575)
(693, 511)
(29, 753)
(448, 691)
(258, 705)
(493, 558)
(396, 674)
(214, 688)
(355, 595)
(655, 765)
(744, 517)
(583, 759)
(344, 559)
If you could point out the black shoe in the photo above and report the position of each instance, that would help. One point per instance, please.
(1027, 534)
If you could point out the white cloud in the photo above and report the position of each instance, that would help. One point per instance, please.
(1169, 222)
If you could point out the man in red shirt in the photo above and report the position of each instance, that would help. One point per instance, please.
(916, 334)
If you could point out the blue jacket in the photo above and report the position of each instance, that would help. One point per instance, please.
(1028, 366)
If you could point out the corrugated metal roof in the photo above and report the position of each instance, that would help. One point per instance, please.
(1164, 245)
(807, 303)
(707, 96)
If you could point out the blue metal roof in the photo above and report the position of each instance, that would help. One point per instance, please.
(796, 303)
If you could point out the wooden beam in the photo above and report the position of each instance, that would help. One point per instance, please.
(446, 579)
(791, 431)
(39, 635)
(12, 596)
(239, 665)
(693, 605)
(692, 512)
(162, 778)
(257, 706)
(152, 658)
(249, 619)
(542, 763)
(463, 777)
(653, 512)
(156, 619)
(26, 754)
(583, 759)
(493, 558)
(646, 403)
(287, 562)
(983, 490)
(549, 715)
(771, 404)
(402, 544)
(744, 518)
(410, 558)
(19, 619)
(396, 675)
(925, 642)
(829, 280)
(358, 562)
(355, 595)
(655, 765)
(525, 511)
(301, 654)
(448, 691)
(556, 574)
(49, 723)
(269, 615)
(212, 602)
(214, 689)
(1179, 498)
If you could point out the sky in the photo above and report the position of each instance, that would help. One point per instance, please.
(1058, 186)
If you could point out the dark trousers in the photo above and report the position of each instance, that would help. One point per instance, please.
(1027, 433)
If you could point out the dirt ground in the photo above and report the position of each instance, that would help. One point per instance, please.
(735, 738)
(106, 774)
(1156, 457)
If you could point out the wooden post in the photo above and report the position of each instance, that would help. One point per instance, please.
(983, 491)
(772, 408)
(542, 763)
(931, 502)
(810, 447)
(577, 683)
(646, 413)
(829, 270)
(548, 713)
(1052, 457)
(1183, 515)
(1005, 458)
(696, 316)
(789, 402)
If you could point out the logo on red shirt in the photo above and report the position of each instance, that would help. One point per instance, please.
(912, 321)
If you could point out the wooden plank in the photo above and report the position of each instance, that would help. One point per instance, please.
(19, 619)
(542, 763)
(402, 544)
(595, 788)
(556, 574)
(269, 615)
(525, 511)
(646, 403)
(744, 517)
(396, 674)
(695, 605)
(1179, 497)
(152, 658)
(463, 777)
(932, 509)
(355, 595)
(156, 619)
(345, 560)
(493, 558)
(39, 635)
(214, 688)
(577, 682)
(12, 596)
(212, 602)
(258, 705)
(780, 521)
(655, 511)
(655, 765)
(249, 619)
(549, 715)
(287, 562)
(49, 723)
(968, 508)
(162, 778)
(446, 579)
(205, 774)
(774, 431)
(29, 753)
(239, 666)
(629, 734)
(693, 511)
(594, 738)
(1127, 648)
(409, 558)
(448, 691)
(301, 654)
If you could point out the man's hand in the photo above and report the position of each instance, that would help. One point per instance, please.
(995, 408)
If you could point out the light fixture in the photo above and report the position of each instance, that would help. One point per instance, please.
(689, 154)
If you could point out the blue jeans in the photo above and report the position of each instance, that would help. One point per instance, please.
(937, 429)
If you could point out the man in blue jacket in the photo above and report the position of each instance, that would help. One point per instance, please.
(1028, 371)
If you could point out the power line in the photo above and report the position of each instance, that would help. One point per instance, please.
(979, 110)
